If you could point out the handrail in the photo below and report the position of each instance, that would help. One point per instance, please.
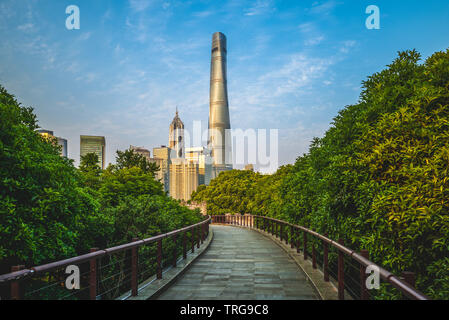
(24, 273)
(248, 220)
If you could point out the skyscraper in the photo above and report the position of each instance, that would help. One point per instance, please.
(94, 144)
(201, 155)
(183, 178)
(142, 151)
(60, 141)
(219, 124)
(161, 156)
(176, 137)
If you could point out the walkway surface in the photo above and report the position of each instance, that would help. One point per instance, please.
(241, 264)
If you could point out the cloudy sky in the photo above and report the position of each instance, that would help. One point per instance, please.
(291, 64)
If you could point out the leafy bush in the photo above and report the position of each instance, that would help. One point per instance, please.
(377, 179)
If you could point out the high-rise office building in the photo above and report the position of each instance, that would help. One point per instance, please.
(142, 151)
(249, 167)
(201, 155)
(219, 123)
(176, 137)
(60, 141)
(161, 156)
(183, 177)
(64, 146)
(94, 144)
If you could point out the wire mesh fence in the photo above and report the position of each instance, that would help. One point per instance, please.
(345, 267)
(104, 274)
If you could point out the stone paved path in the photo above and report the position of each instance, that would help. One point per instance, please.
(241, 264)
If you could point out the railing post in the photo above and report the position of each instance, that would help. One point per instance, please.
(15, 286)
(93, 276)
(298, 241)
(198, 238)
(341, 273)
(202, 233)
(292, 241)
(159, 259)
(326, 260)
(134, 263)
(304, 243)
(409, 277)
(313, 255)
(363, 289)
(281, 227)
(184, 245)
(193, 239)
(175, 256)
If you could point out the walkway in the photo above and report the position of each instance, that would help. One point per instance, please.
(241, 264)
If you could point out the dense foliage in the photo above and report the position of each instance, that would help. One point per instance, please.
(378, 178)
(51, 210)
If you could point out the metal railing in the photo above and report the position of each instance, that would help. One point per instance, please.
(108, 273)
(345, 266)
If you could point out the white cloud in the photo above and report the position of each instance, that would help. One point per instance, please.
(347, 45)
(261, 7)
(26, 27)
(85, 36)
(323, 8)
(202, 14)
(139, 5)
(314, 41)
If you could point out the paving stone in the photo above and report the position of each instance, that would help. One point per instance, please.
(241, 264)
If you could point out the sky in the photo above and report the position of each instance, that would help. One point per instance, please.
(292, 65)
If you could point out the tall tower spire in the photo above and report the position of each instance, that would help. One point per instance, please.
(219, 124)
(176, 137)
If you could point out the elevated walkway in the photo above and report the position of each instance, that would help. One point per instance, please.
(241, 264)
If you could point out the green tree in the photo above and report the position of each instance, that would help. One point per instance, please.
(89, 162)
(377, 179)
(129, 158)
(43, 208)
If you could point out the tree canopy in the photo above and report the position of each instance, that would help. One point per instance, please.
(51, 210)
(377, 179)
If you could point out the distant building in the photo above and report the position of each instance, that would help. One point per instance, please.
(249, 167)
(176, 137)
(64, 146)
(183, 177)
(219, 142)
(202, 156)
(94, 144)
(46, 133)
(60, 141)
(142, 151)
(161, 156)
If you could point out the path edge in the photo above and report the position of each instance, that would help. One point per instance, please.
(157, 287)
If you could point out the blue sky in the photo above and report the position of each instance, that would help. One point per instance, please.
(291, 64)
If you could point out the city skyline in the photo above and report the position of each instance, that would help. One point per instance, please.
(294, 65)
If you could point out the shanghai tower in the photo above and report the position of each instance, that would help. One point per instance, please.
(219, 124)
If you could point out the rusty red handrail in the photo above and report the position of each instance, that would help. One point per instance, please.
(18, 275)
(251, 221)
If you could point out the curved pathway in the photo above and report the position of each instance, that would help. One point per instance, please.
(241, 264)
